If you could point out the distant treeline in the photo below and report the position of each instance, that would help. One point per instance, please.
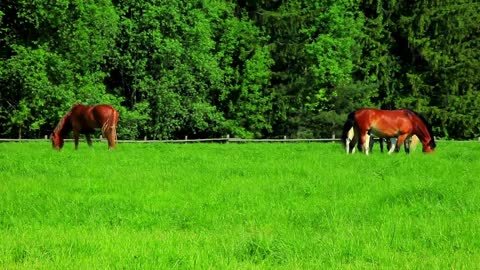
(248, 68)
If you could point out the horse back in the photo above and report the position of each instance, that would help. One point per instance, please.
(86, 118)
(384, 122)
(104, 113)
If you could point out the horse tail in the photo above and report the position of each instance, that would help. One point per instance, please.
(109, 127)
(347, 127)
(115, 116)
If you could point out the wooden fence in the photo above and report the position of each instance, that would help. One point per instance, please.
(226, 139)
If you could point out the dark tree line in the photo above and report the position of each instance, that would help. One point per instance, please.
(250, 68)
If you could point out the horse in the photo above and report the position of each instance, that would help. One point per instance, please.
(83, 119)
(401, 124)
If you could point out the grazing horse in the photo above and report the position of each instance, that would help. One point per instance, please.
(401, 124)
(85, 119)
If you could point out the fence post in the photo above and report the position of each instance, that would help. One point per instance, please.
(228, 138)
(186, 138)
(284, 138)
(145, 138)
(100, 137)
(46, 137)
(333, 137)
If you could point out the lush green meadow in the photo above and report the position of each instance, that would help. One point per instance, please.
(238, 206)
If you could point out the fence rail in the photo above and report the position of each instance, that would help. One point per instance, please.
(219, 140)
(186, 140)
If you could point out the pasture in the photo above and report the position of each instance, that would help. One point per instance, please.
(238, 206)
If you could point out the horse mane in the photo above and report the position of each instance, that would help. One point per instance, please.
(64, 125)
(425, 122)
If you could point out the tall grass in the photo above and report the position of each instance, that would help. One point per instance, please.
(238, 206)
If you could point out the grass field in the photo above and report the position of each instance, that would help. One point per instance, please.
(238, 206)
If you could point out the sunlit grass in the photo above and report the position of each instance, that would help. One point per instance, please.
(265, 206)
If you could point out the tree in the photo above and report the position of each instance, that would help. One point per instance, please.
(313, 44)
(186, 62)
(443, 74)
(52, 58)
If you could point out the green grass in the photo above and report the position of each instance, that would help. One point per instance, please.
(238, 206)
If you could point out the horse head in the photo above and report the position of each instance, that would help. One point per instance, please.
(429, 147)
(428, 140)
(57, 141)
(423, 130)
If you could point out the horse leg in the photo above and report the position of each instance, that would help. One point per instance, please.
(364, 141)
(397, 146)
(348, 141)
(89, 139)
(390, 145)
(111, 137)
(111, 140)
(400, 141)
(350, 146)
(351, 141)
(380, 141)
(110, 132)
(76, 137)
(370, 143)
(406, 144)
(347, 145)
(367, 144)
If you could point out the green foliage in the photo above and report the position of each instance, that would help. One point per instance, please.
(380, 64)
(314, 47)
(55, 64)
(199, 68)
(28, 94)
(133, 121)
(208, 68)
(444, 39)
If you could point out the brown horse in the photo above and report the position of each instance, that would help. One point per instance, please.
(401, 124)
(85, 119)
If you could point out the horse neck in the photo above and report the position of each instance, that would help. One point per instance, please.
(63, 126)
(422, 132)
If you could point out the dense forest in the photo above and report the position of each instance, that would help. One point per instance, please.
(247, 68)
